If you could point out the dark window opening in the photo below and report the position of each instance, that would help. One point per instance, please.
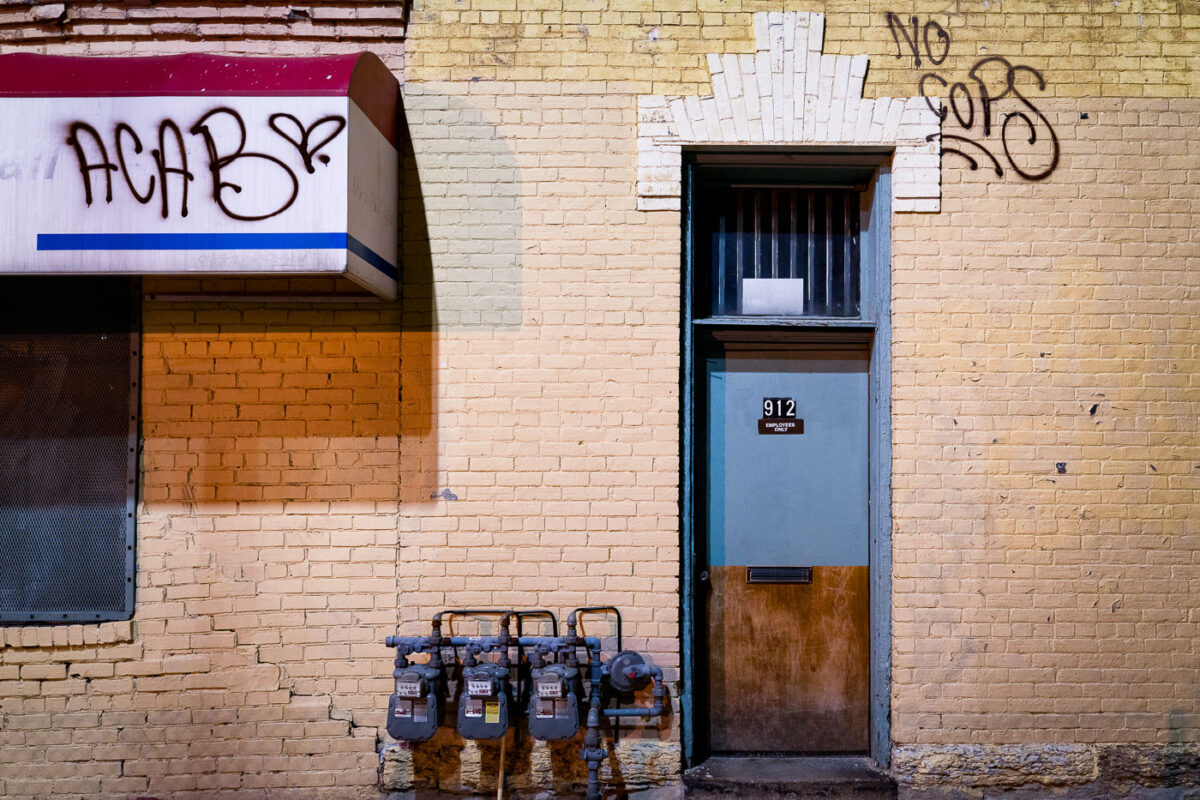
(68, 448)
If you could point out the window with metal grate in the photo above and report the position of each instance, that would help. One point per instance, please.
(68, 448)
(781, 251)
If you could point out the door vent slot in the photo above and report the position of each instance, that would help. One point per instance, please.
(778, 574)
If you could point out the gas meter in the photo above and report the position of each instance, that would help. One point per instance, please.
(483, 702)
(554, 702)
(414, 711)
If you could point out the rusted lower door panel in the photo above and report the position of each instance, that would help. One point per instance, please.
(787, 662)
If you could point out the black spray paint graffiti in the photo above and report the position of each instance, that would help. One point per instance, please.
(991, 80)
(224, 152)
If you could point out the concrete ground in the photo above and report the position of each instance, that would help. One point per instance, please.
(831, 793)
(827, 778)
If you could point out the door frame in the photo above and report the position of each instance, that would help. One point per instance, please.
(875, 322)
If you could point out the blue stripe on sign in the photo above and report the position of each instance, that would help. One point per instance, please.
(215, 241)
(371, 257)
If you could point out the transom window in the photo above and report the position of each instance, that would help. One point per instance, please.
(782, 250)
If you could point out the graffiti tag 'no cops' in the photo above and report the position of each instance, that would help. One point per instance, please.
(1028, 122)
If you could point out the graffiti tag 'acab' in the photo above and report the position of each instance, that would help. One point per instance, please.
(990, 80)
(224, 153)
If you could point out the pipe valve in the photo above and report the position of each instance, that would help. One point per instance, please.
(627, 672)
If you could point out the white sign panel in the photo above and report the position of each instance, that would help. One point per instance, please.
(781, 296)
(197, 185)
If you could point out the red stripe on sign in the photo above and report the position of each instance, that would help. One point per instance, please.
(361, 76)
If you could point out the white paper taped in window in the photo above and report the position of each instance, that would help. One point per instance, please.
(776, 296)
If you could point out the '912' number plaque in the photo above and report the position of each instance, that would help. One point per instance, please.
(779, 416)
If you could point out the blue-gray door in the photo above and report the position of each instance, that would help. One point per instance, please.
(785, 511)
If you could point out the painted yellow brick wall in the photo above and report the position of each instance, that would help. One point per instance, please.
(267, 535)
(1030, 607)
(300, 461)
(1046, 452)
(266, 572)
(540, 395)
(1095, 49)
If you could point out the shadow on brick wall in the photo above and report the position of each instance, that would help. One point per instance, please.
(418, 341)
(263, 402)
(462, 218)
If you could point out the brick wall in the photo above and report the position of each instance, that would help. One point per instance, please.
(540, 387)
(266, 575)
(314, 475)
(150, 27)
(1141, 48)
(1019, 621)
(267, 572)
(1045, 459)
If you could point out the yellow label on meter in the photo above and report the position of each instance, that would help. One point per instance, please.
(491, 712)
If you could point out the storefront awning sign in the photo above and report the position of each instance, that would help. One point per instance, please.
(199, 165)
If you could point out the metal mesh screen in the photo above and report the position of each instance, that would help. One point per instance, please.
(68, 428)
(810, 234)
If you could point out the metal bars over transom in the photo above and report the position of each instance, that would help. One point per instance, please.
(808, 233)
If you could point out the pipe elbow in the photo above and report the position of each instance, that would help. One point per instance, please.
(659, 692)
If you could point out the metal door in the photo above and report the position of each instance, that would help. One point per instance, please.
(784, 507)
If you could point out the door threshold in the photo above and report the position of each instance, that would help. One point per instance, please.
(788, 776)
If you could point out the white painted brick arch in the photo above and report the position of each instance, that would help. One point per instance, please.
(789, 93)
